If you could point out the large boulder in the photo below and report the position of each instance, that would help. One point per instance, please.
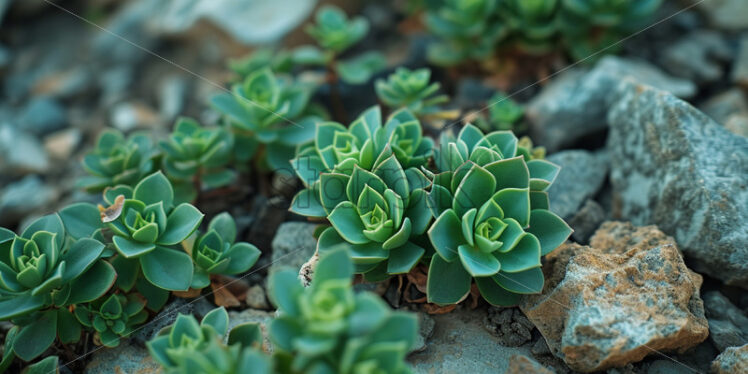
(674, 167)
(575, 103)
(603, 308)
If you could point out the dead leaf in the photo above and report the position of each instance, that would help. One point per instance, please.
(112, 212)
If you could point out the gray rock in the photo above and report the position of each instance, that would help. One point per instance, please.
(20, 152)
(460, 344)
(575, 103)
(725, 14)
(581, 176)
(733, 360)
(730, 109)
(127, 358)
(740, 66)
(293, 245)
(425, 331)
(700, 56)
(472, 93)
(586, 221)
(128, 116)
(4, 55)
(114, 84)
(247, 21)
(29, 195)
(665, 367)
(171, 96)
(62, 144)
(129, 23)
(728, 325)
(673, 166)
(42, 116)
(510, 325)
(256, 298)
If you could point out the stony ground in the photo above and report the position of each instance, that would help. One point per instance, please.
(654, 181)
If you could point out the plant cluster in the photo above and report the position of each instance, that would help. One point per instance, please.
(325, 328)
(380, 186)
(474, 29)
(503, 114)
(100, 269)
(410, 89)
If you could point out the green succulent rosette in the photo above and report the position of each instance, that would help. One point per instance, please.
(268, 110)
(192, 151)
(327, 328)
(589, 26)
(503, 114)
(334, 31)
(493, 220)
(113, 318)
(215, 252)
(532, 23)
(198, 348)
(117, 160)
(364, 144)
(43, 271)
(467, 30)
(410, 89)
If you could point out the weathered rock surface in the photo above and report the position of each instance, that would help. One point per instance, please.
(128, 358)
(603, 308)
(519, 364)
(575, 103)
(728, 325)
(673, 166)
(700, 56)
(733, 360)
(620, 237)
(293, 245)
(730, 109)
(725, 14)
(460, 344)
(581, 176)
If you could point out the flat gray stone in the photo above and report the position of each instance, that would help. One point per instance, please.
(581, 176)
(728, 325)
(700, 56)
(20, 152)
(460, 344)
(673, 166)
(22, 198)
(293, 245)
(575, 103)
(725, 14)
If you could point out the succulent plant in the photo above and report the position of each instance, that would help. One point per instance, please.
(192, 348)
(334, 31)
(278, 61)
(113, 318)
(493, 220)
(198, 155)
(43, 271)
(468, 29)
(503, 114)
(215, 252)
(270, 110)
(528, 151)
(532, 23)
(117, 160)
(327, 328)
(410, 89)
(589, 26)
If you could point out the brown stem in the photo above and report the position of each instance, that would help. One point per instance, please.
(335, 98)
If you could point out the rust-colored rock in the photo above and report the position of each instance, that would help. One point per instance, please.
(520, 364)
(619, 237)
(606, 307)
(733, 360)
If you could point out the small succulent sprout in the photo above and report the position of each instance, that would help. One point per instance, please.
(333, 30)
(532, 23)
(327, 328)
(191, 347)
(493, 220)
(366, 142)
(528, 151)
(588, 26)
(278, 61)
(42, 271)
(269, 110)
(112, 318)
(410, 89)
(215, 252)
(193, 153)
(467, 30)
(503, 114)
(117, 160)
